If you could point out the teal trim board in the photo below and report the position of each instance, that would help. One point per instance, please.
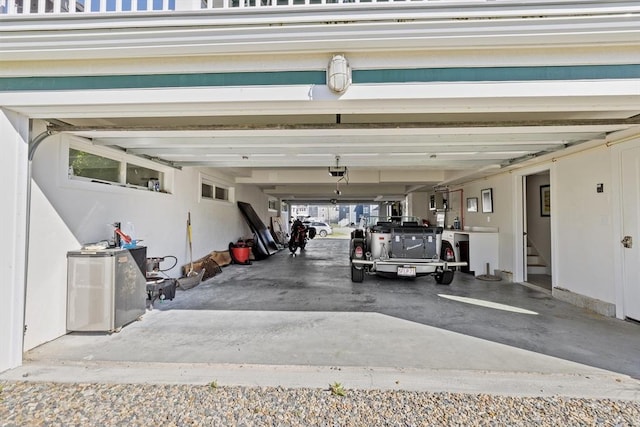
(501, 74)
(162, 80)
(318, 77)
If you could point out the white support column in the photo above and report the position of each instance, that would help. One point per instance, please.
(14, 131)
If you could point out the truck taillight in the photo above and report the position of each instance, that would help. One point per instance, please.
(358, 252)
(449, 255)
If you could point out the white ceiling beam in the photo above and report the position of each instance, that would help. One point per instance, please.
(320, 152)
(490, 135)
(434, 98)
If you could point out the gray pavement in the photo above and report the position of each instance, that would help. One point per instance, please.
(299, 321)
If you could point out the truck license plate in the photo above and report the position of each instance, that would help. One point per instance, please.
(407, 271)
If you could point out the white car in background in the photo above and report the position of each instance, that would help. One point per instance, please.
(322, 228)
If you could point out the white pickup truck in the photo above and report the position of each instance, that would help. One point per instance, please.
(399, 247)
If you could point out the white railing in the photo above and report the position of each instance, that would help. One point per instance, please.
(56, 7)
(48, 8)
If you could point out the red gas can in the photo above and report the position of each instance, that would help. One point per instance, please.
(241, 253)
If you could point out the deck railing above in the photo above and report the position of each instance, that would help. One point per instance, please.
(54, 7)
(513, 8)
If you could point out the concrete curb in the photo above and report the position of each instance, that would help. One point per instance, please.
(597, 385)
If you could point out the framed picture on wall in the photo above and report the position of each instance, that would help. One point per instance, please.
(545, 200)
(487, 200)
(472, 204)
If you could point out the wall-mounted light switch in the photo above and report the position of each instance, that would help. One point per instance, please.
(600, 188)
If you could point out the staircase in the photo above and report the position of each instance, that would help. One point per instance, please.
(535, 263)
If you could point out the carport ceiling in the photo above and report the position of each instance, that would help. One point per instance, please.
(387, 155)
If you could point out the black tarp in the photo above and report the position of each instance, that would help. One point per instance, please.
(265, 244)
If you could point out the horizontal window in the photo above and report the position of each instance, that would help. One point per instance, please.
(99, 166)
(143, 177)
(222, 193)
(89, 165)
(210, 189)
(207, 191)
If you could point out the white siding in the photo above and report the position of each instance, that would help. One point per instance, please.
(13, 173)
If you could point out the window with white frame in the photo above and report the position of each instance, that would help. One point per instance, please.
(101, 165)
(212, 189)
(93, 166)
(143, 177)
(222, 193)
(206, 190)
(272, 205)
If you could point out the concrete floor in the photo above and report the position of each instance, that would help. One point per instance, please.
(542, 281)
(300, 321)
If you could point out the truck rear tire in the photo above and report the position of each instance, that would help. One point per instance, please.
(444, 278)
(357, 274)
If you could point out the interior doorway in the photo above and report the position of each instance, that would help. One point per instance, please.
(537, 229)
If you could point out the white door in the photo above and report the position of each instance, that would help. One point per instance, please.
(525, 228)
(630, 238)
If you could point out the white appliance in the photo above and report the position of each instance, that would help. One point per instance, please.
(441, 218)
(106, 289)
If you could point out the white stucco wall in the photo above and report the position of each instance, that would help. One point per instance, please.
(501, 218)
(582, 221)
(66, 214)
(13, 173)
(583, 224)
(46, 290)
